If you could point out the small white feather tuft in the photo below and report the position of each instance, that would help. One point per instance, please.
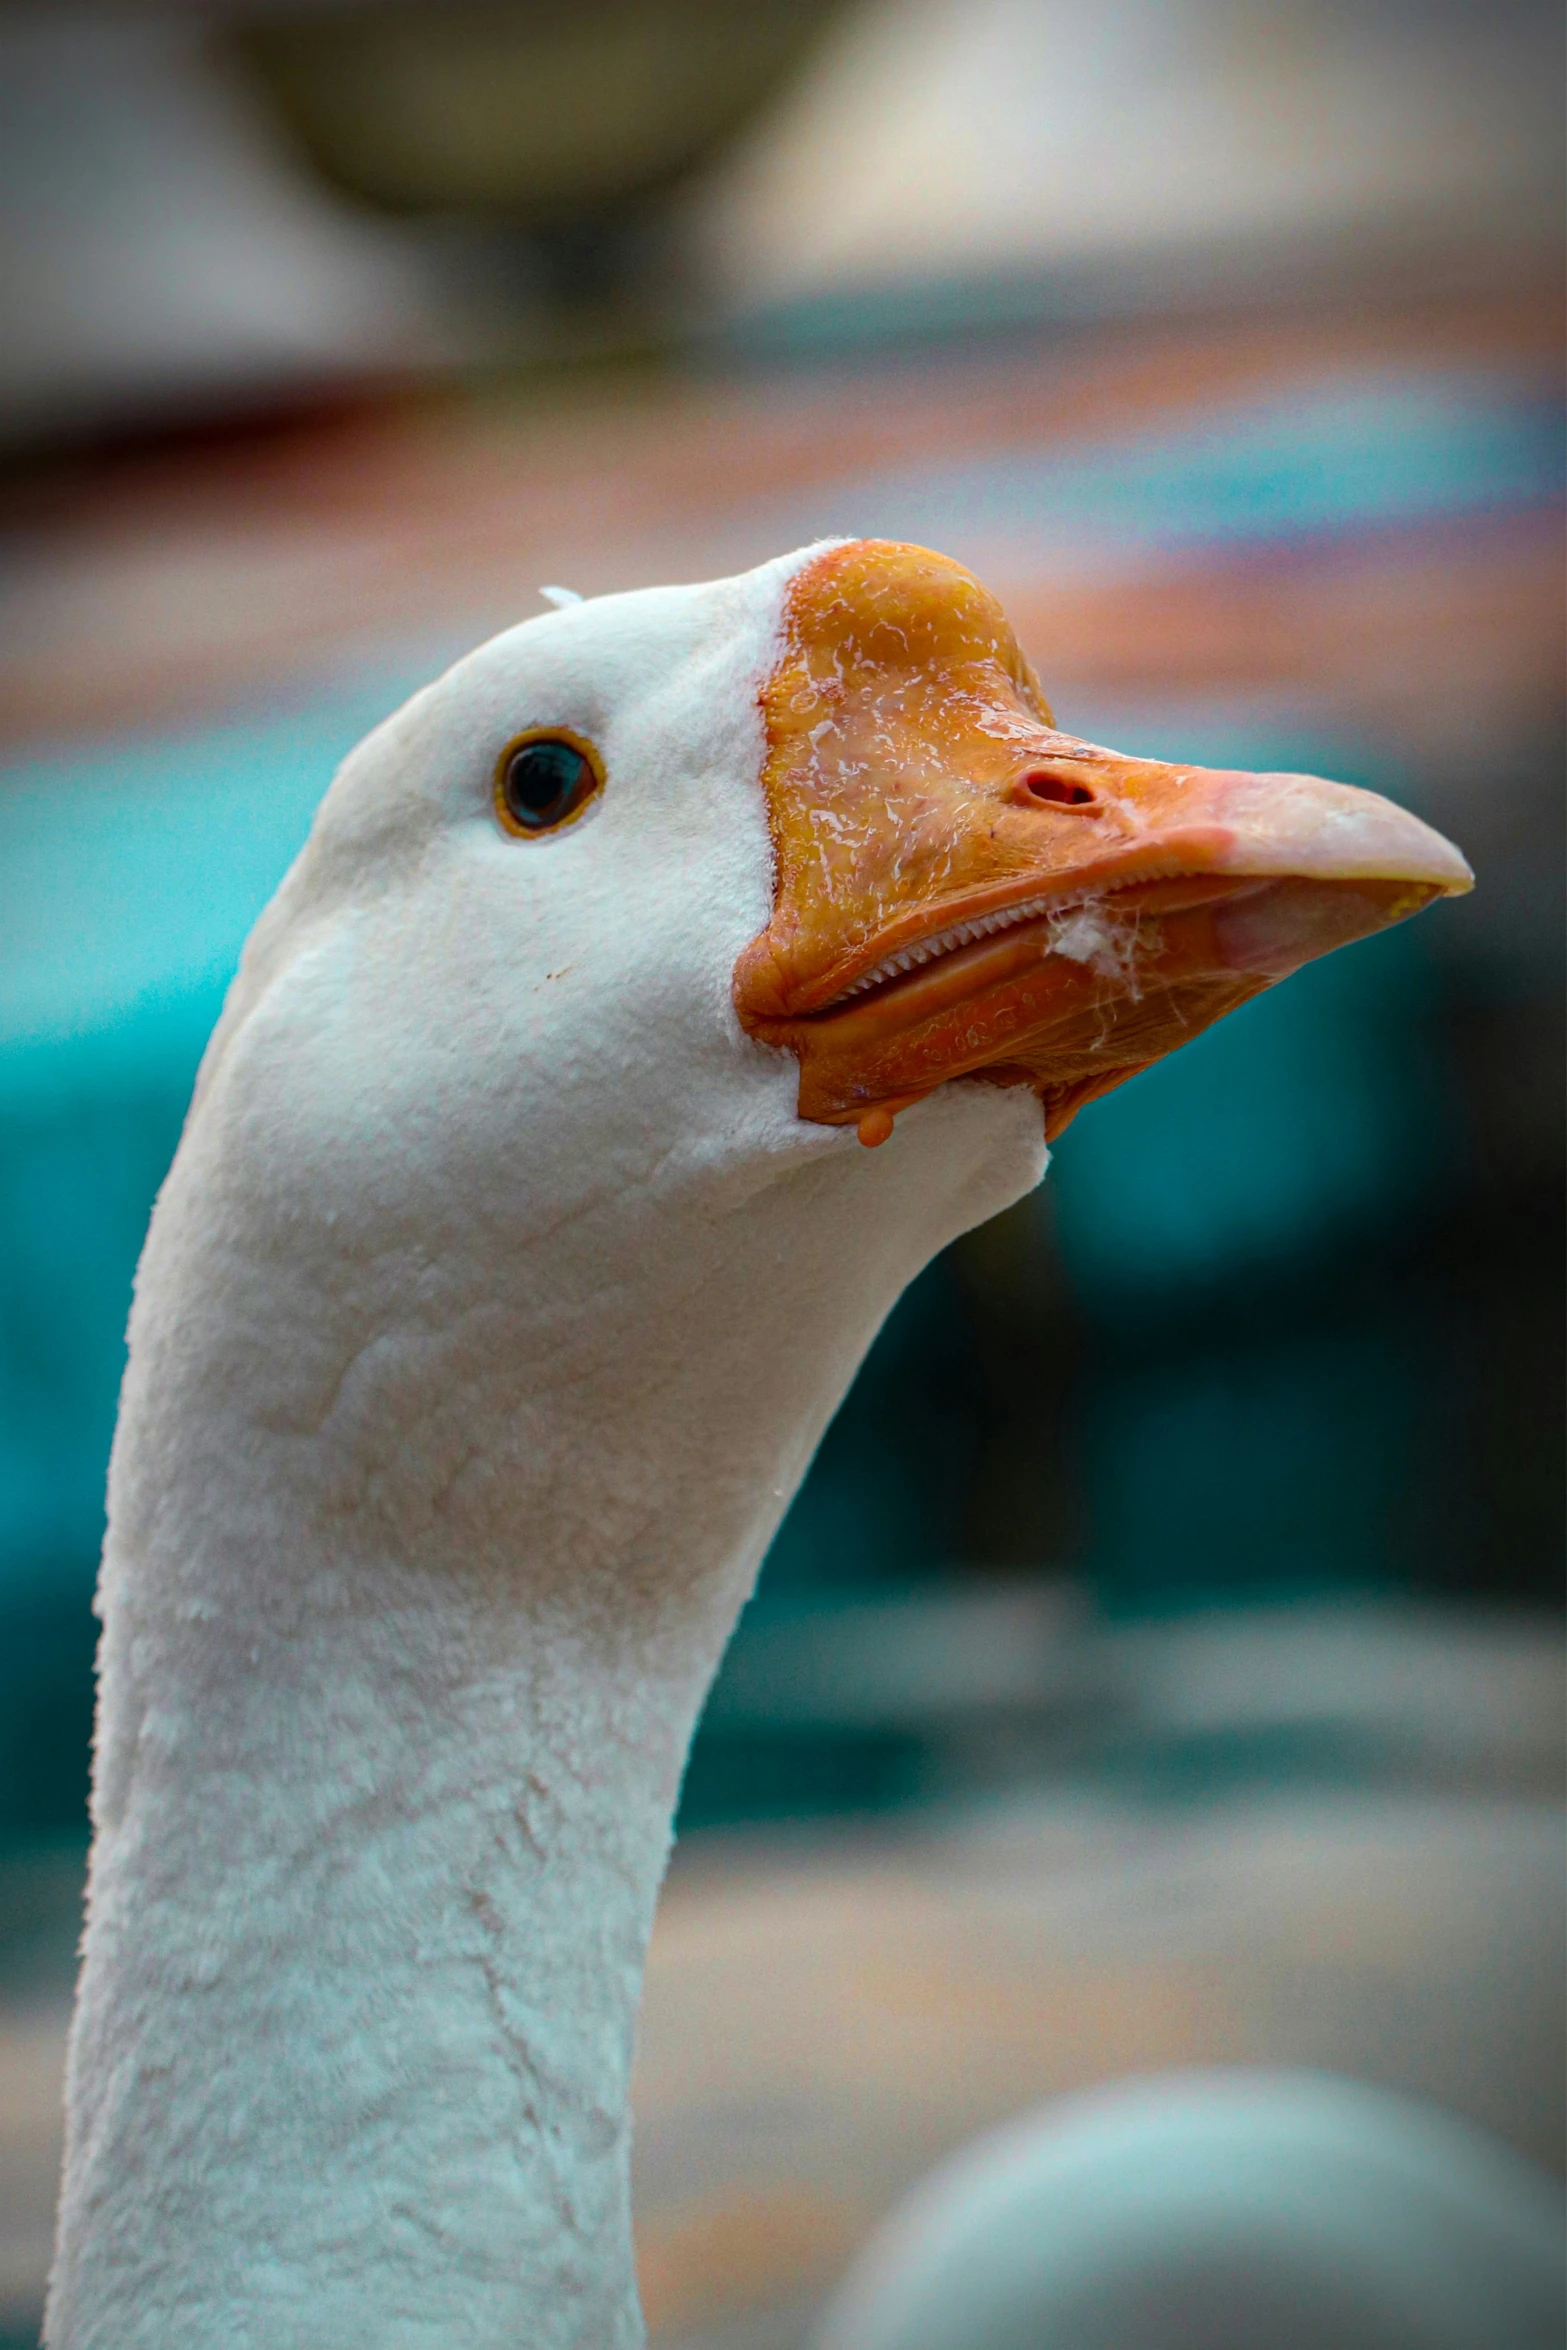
(560, 597)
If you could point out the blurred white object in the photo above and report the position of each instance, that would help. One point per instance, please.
(1223, 2210)
(934, 140)
(159, 248)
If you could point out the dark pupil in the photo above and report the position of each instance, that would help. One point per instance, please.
(542, 783)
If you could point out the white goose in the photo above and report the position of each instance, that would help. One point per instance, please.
(517, 1251)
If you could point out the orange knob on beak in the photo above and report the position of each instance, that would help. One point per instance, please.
(964, 891)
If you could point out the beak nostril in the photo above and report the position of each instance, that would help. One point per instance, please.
(1056, 791)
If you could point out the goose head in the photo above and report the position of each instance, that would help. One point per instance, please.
(657, 893)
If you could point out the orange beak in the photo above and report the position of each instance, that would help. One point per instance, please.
(964, 891)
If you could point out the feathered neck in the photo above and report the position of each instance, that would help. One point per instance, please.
(420, 1562)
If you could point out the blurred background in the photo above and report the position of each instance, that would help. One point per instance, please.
(1162, 1661)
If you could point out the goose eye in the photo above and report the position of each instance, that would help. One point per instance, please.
(543, 780)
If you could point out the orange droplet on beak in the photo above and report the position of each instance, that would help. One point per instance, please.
(875, 1128)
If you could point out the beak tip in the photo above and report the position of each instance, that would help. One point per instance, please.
(1315, 830)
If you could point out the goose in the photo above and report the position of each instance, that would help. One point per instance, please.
(656, 993)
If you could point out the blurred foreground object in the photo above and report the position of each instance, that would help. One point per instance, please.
(1218, 2211)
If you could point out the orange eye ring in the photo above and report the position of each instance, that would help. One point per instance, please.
(545, 779)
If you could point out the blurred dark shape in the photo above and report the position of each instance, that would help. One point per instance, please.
(551, 117)
(547, 138)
